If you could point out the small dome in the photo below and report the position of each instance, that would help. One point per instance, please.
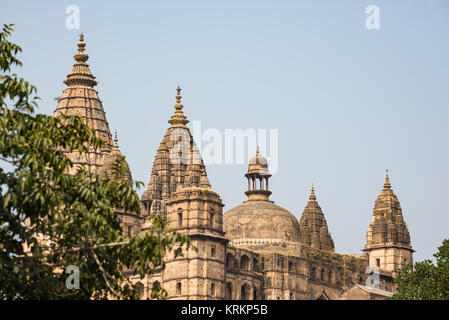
(258, 164)
(261, 219)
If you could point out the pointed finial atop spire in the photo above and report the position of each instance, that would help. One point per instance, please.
(178, 118)
(115, 138)
(81, 75)
(257, 150)
(178, 96)
(81, 56)
(312, 194)
(387, 184)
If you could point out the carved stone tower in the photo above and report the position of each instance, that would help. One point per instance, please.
(388, 238)
(80, 98)
(314, 231)
(177, 164)
(179, 188)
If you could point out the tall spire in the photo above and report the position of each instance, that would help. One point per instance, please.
(177, 164)
(313, 226)
(388, 230)
(80, 98)
(178, 118)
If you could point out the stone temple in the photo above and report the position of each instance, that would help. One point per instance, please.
(257, 250)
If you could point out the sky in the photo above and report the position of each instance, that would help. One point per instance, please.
(347, 102)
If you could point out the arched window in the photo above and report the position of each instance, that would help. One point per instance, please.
(211, 219)
(228, 291)
(229, 260)
(255, 264)
(140, 289)
(245, 292)
(330, 277)
(291, 267)
(178, 288)
(322, 277)
(154, 288)
(212, 289)
(179, 218)
(244, 262)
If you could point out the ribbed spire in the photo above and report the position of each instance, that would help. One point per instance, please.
(178, 118)
(168, 174)
(80, 98)
(388, 226)
(313, 226)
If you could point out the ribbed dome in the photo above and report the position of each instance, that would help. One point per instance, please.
(261, 219)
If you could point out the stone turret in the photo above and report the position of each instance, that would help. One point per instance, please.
(109, 160)
(80, 98)
(313, 226)
(177, 164)
(388, 238)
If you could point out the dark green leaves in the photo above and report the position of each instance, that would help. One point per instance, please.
(425, 280)
(50, 220)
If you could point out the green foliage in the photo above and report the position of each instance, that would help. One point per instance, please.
(425, 280)
(50, 219)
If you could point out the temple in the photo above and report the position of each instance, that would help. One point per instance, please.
(256, 250)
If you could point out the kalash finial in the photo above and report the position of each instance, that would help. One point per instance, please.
(81, 56)
(387, 184)
(115, 138)
(178, 96)
(178, 119)
(312, 194)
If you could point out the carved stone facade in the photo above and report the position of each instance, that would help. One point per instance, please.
(257, 250)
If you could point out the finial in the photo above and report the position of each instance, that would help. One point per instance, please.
(312, 194)
(257, 150)
(387, 184)
(115, 138)
(178, 118)
(178, 96)
(81, 56)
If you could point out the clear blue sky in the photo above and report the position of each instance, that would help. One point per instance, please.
(348, 102)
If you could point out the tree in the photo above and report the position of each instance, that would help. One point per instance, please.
(50, 220)
(425, 280)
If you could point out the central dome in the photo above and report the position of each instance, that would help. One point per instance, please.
(261, 219)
